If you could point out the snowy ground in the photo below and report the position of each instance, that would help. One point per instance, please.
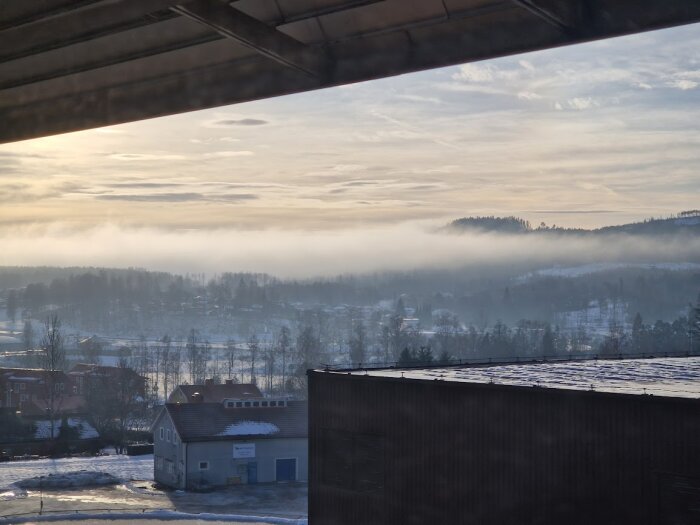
(136, 492)
(123, 467)
(156, 518)
(278, 500)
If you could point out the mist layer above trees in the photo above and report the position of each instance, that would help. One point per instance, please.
(510, 245)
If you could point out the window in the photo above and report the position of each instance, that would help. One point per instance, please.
(169, 467)
(167, 435)
(203, 465)
(229, 404)
(247, 404)
(162, 433)
(159, 463)
(23, 397)
(264, 403)
(239, 404)
(273, 403)
(255, 403)
(22, 386)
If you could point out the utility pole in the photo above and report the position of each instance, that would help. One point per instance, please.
(41, 495)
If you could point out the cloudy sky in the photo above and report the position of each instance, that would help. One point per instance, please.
(595, 134)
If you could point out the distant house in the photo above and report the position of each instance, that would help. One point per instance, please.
(213, 393)
(30, 391)
(91, 345)
(236, 441)
(81, 374)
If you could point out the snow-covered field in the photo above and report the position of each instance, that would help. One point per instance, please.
(123, 467)
(587, 269)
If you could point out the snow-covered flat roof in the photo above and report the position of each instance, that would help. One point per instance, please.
(668, 376)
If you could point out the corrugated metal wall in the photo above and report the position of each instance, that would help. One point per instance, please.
(399, 451)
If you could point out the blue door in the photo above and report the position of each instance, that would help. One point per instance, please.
(287, 469)
(252, 472)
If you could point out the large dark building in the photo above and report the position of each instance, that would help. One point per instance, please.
(590, 442)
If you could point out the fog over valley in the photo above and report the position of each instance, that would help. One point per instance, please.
(324, 253)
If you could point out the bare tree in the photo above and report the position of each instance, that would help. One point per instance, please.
(156, 356)
(269, 360)
(253, 348)
(231, 356)
(115, 402)
(11, 305)
(284, 342)
(193, 356)
(205, 352)
(129, 407)
(52, 360)
(357, 342)
(28, 335)
(165, 363)
(174, 371)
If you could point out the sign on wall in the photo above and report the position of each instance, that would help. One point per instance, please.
(243, 450)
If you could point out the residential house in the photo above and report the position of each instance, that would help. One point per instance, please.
(82, 374)
(36, 392)
(235, 441)
(213, 393)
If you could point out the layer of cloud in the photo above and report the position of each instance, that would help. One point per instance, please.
(241, 122)
(175, 197)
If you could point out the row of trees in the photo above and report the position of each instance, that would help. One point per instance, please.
(280, 366)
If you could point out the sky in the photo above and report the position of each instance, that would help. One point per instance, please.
(587, 135)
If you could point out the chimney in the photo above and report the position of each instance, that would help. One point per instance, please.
(229, 381)
(208, 381)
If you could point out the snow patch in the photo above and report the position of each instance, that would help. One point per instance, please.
(85, 429)
(15, 493)
(123, 467)
(249, 428)
(82, 478)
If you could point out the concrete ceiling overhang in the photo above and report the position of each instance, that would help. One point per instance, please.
(67, 65)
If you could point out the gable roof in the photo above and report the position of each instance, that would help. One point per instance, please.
(213, 422)
(217, 393)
